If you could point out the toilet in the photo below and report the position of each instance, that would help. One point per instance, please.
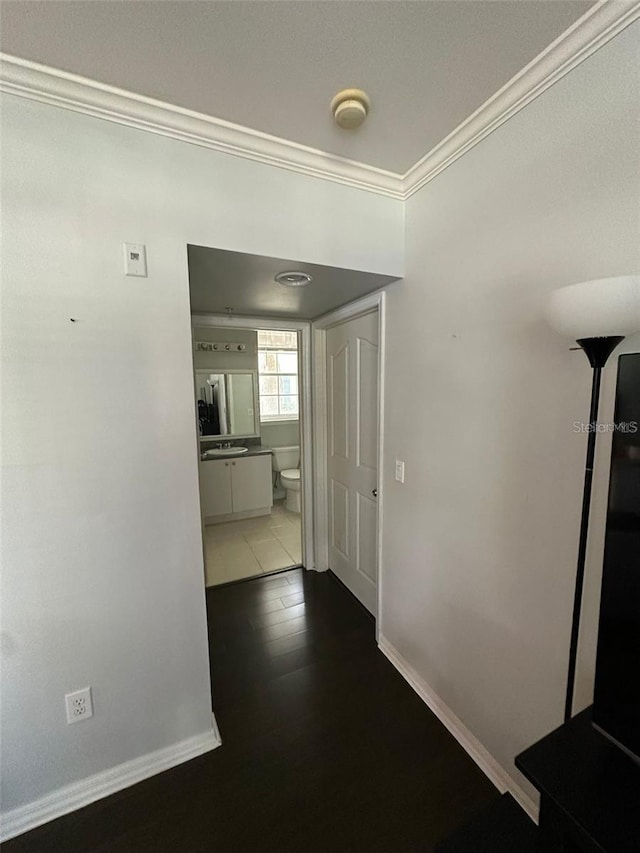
(285, 461)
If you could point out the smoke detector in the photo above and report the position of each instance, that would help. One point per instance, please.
(293, 278)
(350, 108)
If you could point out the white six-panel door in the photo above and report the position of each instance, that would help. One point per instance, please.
(352, 454)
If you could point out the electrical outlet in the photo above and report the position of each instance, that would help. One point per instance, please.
(399, 471)
(79, 705)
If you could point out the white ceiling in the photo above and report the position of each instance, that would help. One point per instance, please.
(219, 279)
(274, 65)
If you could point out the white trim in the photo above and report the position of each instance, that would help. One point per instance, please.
(482, 757)
(212, 520)
(282, 324)
(89, 97)
(382, 343)
(80, 794)
(599, 25)
(363, 305)
(46, 85)
(371, 302)
(306, 445)
(305, 415)
(319, 358)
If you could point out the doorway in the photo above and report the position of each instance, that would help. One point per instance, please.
(254, 502)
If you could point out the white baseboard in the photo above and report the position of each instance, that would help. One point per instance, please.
(482, 757)
(80, 794)
(211, 520)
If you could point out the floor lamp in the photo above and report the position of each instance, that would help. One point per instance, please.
(597, 315)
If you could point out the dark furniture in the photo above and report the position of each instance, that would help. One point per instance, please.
(616, 704)
(503, 827)
(589, 788)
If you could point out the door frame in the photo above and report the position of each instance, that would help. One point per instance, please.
(303, 327)
(371, 302)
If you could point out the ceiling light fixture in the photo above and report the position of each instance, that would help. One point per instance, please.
(293, 279)
(350, 107)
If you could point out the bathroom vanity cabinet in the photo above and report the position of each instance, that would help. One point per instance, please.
(236, 487)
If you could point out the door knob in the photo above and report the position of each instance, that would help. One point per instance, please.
(375, 493)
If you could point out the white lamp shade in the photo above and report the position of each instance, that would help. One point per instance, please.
(596, 309)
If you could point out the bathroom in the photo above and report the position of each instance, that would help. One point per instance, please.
(248, 410)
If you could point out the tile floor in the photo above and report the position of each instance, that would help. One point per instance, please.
(252, 546)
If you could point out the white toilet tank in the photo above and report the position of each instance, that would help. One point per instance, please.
(284, 458)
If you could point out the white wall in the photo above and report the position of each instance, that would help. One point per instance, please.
(280, 433)
(103, 579)
(480, 542)
(247, 360)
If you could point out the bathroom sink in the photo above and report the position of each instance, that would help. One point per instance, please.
(224, 451)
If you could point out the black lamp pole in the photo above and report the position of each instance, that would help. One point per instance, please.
(597, 351)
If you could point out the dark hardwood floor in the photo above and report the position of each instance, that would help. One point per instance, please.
(325, 747)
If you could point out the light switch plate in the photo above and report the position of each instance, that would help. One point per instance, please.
(135, 259)
(399, 471)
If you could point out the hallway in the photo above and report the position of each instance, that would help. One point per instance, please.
(325, 747)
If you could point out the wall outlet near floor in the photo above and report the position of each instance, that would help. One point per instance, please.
(79, 705)
(399, 471)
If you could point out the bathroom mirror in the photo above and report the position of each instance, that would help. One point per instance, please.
(227, 403)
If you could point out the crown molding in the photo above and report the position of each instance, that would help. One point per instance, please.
(595, 28)
(58, 88)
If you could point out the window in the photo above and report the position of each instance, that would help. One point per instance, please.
(278, 375)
